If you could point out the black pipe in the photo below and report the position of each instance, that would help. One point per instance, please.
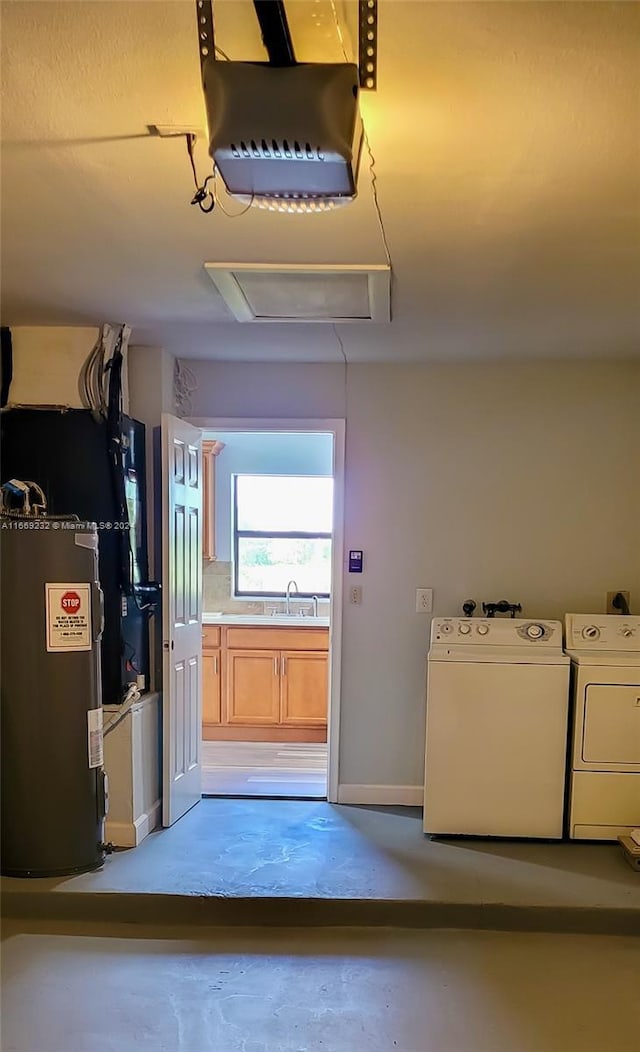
(276, 37)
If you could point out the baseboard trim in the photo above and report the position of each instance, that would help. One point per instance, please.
(130, 834)
(148, 821)
(120, 834)
(402, 795)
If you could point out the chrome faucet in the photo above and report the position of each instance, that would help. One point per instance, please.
(295, 585)
(314, 600)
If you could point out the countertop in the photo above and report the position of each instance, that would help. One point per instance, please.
(275, 621)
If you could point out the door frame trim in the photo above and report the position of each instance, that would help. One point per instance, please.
(337, 427)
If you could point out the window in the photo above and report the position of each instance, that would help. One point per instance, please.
(282, 532)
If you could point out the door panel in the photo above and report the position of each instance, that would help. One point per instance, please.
(180, 609)
(611, 724)
(195, 564)
(253, 686)
(305, 685)
(211, 693)
(181, 616)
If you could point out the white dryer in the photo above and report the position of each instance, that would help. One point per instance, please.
(497, 711)
(604, 790)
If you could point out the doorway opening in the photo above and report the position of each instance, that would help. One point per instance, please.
(272, 567)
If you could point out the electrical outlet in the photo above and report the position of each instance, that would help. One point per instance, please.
(355, 595)
(424, 600)
(611, 596)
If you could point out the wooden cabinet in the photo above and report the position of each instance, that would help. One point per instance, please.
(265, 684)
(253, 687)
(211, 676)
(211, 687)
(304, 687)
(210, 450)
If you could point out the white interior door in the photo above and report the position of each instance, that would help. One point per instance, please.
(181, 616)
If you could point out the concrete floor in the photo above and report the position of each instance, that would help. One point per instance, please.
(320, 991)
(299, 862)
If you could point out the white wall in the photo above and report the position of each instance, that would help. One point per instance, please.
(262, 454)
(516, 481)
(47, 361)
(133, 766)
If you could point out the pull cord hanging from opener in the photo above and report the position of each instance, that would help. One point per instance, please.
(201, 195)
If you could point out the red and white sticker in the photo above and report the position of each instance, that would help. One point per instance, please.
(68, 608)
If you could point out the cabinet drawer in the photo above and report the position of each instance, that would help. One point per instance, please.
(210, 636)
(259, 638)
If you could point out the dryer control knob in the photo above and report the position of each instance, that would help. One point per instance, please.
(482, 630)
(464, 628)
(535, 631)
(626, 632)
(591, 632)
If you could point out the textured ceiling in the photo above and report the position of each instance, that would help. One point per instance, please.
(506, 139)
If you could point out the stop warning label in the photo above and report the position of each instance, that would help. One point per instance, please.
(71, 602)
(68, 617)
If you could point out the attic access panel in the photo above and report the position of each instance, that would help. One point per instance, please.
(271, 292)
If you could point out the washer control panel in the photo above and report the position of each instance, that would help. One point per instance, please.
(496, 631)
(609, 632)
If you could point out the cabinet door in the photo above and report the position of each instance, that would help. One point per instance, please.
(304, 691)
(211, 692)
(253, 687)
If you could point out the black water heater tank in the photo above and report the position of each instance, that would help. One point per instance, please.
(52, 780)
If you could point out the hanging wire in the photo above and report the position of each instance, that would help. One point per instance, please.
(346, 368)
(374, 188)
(340, 344)
(218, 199)
(339, 29)
(206, 199)
(202, 195)
(223, 54)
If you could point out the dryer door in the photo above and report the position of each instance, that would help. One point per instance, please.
(611, 724)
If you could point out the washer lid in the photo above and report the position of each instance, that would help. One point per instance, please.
(611, 731)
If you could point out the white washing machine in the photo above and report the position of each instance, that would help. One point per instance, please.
(604, 790)
(497, 711)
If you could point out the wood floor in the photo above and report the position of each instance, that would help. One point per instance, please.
(297, 769)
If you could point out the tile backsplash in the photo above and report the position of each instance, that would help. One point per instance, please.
(217, 596)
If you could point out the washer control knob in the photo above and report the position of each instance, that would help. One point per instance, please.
(627, 632)
(591, 632)
(535, 631)
(446, 628)
(464, 629)
(482, 630)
